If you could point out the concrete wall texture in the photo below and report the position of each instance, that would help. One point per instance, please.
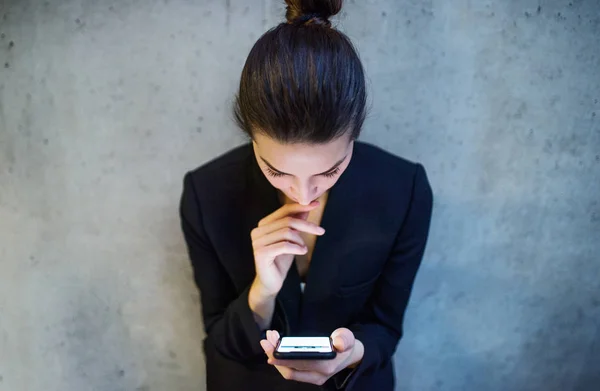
(105, 104)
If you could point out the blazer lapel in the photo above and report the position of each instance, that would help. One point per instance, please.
(326, 261)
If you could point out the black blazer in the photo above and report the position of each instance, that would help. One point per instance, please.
(360, 277)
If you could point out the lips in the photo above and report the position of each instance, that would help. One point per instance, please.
(296, 200)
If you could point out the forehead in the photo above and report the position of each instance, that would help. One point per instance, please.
(300, 158)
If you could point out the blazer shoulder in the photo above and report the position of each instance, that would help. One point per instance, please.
(220, 178)
(375, 157)
(227, 161)
(395, 182)
(230, 164)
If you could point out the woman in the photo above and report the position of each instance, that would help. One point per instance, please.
(304, 230)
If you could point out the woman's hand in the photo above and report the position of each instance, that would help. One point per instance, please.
(276, 241)
(349, 353)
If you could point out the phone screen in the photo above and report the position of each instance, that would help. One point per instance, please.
(304, 344)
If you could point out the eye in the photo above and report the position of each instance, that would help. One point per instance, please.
(274, 173)
(333, 173)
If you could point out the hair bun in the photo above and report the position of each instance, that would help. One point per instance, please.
(312, 11)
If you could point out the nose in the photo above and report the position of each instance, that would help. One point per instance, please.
(305, 196)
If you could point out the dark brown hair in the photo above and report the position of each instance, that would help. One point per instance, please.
(303, 81)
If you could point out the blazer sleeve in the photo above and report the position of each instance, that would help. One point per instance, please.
(379, 327)
(228, 319)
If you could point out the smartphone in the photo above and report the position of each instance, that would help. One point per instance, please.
(304, 348)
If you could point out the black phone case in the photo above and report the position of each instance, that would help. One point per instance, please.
(304, 356)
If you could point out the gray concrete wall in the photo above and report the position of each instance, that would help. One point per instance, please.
(105, 104)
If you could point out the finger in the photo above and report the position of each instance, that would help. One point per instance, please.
(302, 376)
(267, 347)
(326, 367)
(305, 226)
(320, 366)
(288, 221)
(343, 339)
(273, 337)
(286, 210)
(288, 234)
(301, 215)
(273, 250)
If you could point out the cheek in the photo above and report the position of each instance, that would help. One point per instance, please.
(325, 183)
(279, 183)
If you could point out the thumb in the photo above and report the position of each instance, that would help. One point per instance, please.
(343, 339)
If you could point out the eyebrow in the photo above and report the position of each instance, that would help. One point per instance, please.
(323, 173)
